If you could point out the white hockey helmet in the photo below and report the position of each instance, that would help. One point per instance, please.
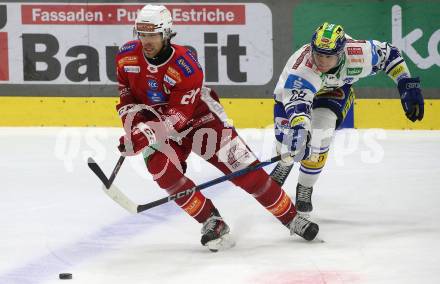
(154, 19)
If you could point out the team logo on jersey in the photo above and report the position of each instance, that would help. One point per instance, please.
(152, 84)
(184, 65)
(132, 69)
(354, 71)
(169, 80)
(128, 60)
(155, 97)
(235, 155)
(127, 47)
(173, 73)
(354, 50)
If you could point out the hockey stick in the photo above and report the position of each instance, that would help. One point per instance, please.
(100, 174)
(129, 205)
(93, 165)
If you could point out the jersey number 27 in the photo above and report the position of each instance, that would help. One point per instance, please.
(189, 97)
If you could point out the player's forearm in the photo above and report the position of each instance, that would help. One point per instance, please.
(391, 61)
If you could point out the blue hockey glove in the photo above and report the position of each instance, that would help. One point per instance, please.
(411, 98)
(298, 138)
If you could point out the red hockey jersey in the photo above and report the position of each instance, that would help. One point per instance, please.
(172, 88)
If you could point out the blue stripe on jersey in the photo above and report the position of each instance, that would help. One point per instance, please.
(391, 68)
(301, 169)
(296, 82)
(374, 55)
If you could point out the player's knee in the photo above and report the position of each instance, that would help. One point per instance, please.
(324, 118)
(164, 172)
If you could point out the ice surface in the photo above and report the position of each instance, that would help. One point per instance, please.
(377, 204)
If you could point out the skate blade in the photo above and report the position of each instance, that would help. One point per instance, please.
(222, 243)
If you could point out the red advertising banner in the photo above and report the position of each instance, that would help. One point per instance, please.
(82, 14)
(4, 66)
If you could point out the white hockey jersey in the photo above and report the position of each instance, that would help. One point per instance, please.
(300, 79)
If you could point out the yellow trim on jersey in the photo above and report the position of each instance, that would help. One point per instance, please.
(298, 120)
(244, 113)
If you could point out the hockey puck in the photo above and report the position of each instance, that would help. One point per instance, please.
(65, 275)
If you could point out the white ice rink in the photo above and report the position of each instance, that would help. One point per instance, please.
(377, 204)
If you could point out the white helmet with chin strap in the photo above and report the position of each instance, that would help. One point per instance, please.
(154, 19)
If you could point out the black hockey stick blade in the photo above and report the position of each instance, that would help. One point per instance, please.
(98, 172)
(93, 165)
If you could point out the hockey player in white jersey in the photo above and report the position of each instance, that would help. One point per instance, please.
(314, 93)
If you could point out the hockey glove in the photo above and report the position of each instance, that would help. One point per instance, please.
(141, 136)
(298, 138)
(411, 98)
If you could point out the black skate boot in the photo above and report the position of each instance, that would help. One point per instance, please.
(280, 173)
(303, 227)
(215, 233)
(303, 201)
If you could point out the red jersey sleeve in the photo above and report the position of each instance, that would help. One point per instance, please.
(125, 60)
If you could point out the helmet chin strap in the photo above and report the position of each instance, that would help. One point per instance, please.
(341, 57)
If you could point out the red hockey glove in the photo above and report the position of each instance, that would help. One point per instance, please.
(141, 136)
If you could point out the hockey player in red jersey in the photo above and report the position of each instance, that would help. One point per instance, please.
(167, 114)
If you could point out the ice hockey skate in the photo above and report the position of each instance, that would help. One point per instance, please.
(281, 172)
(303, 227)
(303, 202)
(215, 233)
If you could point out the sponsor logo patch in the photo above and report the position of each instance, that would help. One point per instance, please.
(165, 89)
(354, 50)
(357, 60)
(153, 84)
(145, 27)
(155, 97)
(132, 69)
(128, 60)
(354, 71)
(337, 94)
(127, 47)
(397, 71)
(169, 80)
(301, 58)
(193, 58)
(348, 80)
(184, 65)
(173, 73)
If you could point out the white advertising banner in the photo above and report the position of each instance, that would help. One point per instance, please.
(68, 43)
